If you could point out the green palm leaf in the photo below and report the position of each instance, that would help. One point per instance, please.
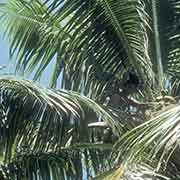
(142, 172)
(86, 38)
(156, 138)
(66, 164)
(35, 119)
(167, 13)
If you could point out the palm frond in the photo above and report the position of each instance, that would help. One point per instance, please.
(37, 119)
(141, 172)
(172, 34)
(168, 27)
(74, 164)
(156, 138)
(91, 36)
(130, 22)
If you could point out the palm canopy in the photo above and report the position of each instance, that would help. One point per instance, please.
(47, 133)
(108, 51)
(47, 126)
(88, 39)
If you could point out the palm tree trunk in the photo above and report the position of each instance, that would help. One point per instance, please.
(157, 44)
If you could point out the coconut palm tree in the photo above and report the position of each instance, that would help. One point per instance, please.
(115, 114)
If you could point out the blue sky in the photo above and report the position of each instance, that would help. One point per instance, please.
(5, 61)
(4, 52)
(4, 57)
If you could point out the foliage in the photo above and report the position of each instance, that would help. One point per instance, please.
(117, 113)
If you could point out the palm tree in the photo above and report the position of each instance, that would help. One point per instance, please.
(116, 114)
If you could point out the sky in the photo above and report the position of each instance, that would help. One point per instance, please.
(10, 67)
(4, 57)
(4, 53)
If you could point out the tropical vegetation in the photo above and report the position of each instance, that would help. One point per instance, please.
(111, 109)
